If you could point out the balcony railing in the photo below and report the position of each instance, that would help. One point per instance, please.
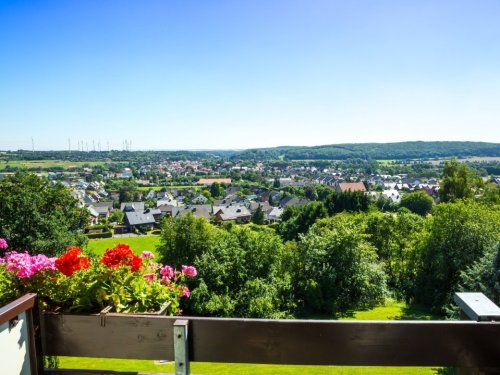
(473, 345)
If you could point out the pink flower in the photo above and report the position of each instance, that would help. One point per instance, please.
(3, 243)
(24, 265)
(147, 254)
(189, 271)
(167, 271)
(150, 277)
(165, 280)
(185, 292)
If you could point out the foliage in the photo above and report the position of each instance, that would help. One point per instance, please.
(39, 217)
(245, 273)
(216, 190)
(352, 201)
(297, 220)
(184, 239)
(399, 239)
(116, 216)
(491, 194)
(461, 233)
(107, 234)
(458, 182)
(418, 202)
(400, 150)
(338, 268)
(483, 275)
(77, 282)
(258, 216)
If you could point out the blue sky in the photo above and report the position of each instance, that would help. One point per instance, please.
(208, 74)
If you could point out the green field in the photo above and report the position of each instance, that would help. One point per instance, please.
(28, 164)
(137, 244)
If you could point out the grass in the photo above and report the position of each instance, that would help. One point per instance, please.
(138, 244)
(22, 164)
(391, 310)
(200, 368)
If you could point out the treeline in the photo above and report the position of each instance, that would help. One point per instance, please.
(382, 151)
(111, 156)
(363, 151)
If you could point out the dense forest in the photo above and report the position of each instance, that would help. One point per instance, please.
(366, 151)
(384, 151)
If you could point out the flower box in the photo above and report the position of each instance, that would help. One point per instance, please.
(108, 335)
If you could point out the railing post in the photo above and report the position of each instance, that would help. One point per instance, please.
(477, 307)
(181, 347)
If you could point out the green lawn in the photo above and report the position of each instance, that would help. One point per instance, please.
(199, 368)
(392, 310)
(138, 244)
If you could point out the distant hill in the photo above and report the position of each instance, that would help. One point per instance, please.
(385, 151)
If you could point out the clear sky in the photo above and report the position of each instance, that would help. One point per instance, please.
(212, 74)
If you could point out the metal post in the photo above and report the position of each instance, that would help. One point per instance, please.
(181, 348)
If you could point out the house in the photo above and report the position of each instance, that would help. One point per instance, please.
(237, 213)
(292, 201)
(342, 187)
(265, 206)
(151, 194)
(392, 194)
(103, 208)
(200, 199)
(93, 215)
(274, 214)
(166, 209)
(132, 206)
(145, 219)
(199, 210)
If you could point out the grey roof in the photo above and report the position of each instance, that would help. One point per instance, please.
(108, 205)
(139, 218)
(198, 210)
(92, 211)
(132, 206)
(232, 212)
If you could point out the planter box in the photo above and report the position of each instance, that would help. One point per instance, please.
(108, 335)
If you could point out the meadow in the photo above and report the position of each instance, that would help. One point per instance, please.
(65, 164)
(137, 244)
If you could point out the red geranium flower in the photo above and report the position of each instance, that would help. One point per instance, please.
(72, 260)
(121, 255)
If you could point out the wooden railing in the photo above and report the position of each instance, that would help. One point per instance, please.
(469, 345)
(19, 329)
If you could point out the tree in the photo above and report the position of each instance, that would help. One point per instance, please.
(216, 190)
(276, 183)
(245, 273)
(460, 235)
(298, 219)
(352, 201)
(184, 239)
(258, 216)
(483, 275)
(418, 202)
(38, 217)
(338, 268)
(458, 182)
(399, 239)
(491, 194)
